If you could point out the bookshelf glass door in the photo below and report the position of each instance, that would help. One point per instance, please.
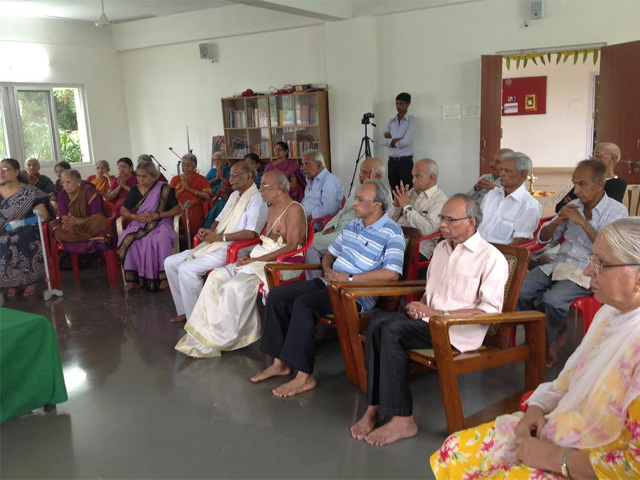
(306, 109)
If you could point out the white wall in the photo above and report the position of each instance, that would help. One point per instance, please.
(170, 87)
(435, 55)
(563, 136)
(78, 54)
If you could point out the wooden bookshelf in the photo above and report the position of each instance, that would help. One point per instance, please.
(255, 124)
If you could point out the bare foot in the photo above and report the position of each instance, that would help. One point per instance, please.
(277, 369)
(561, 339)
(551, 356)
(29, 290)
(129, 286)
(397, 429)
(178, 319)
(301, 383)
(163, 285)
(11, 292)
(366, 424)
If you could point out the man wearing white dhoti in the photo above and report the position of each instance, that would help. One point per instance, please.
(243, 218)
(226, 316)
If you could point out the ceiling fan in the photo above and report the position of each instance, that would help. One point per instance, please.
(103, 20)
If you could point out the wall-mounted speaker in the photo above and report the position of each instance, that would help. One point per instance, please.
(208, 51)
(536, 9)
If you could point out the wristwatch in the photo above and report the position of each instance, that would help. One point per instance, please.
(564, 464)
(408, 208)
(445, 313)
(224, 238)
(351, 277)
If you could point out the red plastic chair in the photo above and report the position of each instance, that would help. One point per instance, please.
(534, 245)
(416, 263)
(110, 256)
(327, 218)
(588, 306)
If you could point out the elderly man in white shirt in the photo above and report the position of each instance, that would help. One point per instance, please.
(324, 192)
(242, 218)
(420, 206)
(510, 214)
(491, 180)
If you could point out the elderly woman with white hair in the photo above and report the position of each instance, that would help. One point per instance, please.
(586, 423)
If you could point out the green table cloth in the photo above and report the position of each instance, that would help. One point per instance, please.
(30, 369)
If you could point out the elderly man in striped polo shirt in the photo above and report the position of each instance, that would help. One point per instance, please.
(371, 247)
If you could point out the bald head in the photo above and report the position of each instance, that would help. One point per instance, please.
(607, 154)
(371, 169)
(496, 159)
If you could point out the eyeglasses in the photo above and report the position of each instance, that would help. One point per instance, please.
(6, 169)
(360, 199)
(597, 265)
(264, 186)
(449, 220)
(278, 149)
(234, 175)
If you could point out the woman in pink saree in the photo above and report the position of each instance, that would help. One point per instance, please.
(149, 238)
(290, 167)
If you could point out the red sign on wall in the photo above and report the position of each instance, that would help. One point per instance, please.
(524, 96)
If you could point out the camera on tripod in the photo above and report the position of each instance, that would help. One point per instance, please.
(366, 119)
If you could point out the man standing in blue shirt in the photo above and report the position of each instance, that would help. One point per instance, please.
(323, 193)
(370, 248)
(398, 137)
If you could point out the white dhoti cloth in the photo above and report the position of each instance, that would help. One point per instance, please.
(186, 278)
(226, 316)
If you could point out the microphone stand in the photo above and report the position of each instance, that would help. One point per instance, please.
(179, 161)
(188, 144)
(159, 164)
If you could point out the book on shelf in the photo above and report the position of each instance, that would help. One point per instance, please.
(236, 118)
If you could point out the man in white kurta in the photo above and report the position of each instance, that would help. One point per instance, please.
(420, 206)
(510, 213)
(242, 218)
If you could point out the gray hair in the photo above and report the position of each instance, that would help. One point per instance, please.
(383, 194)
(148, 167)
(316, 156)
(144, 158)
(73, 174)
(432, 167)
(381, 169)
(246, 168)
(623, 237)
(281, 179)
(32, 158)
(222, 154)
(613, 148)
(103, 163)
(523, 162)
(473, 209)
(191, 157)
(598, 170)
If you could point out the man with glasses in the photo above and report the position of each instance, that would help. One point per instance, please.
(419, 207)
(371, 169)
(466, 276)
(609, 155)
(242, 218)
(510, 214)
(552, 288)
(370, 248)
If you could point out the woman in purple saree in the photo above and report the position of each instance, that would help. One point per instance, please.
(290, 167)
(149, 238)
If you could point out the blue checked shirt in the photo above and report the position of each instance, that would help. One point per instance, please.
(323, 195)
(576, 245)
(360, 249)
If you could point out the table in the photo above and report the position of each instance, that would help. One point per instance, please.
(30, 369)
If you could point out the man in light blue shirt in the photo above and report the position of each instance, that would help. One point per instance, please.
(552, 288)
(398, 137)
(324, 192)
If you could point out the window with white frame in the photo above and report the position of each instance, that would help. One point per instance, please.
(47, 122)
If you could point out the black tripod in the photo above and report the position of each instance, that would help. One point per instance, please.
(365, 146)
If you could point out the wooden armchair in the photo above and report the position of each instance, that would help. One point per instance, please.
(450, 363)
(335, 320)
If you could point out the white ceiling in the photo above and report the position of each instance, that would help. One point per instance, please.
(119, 10)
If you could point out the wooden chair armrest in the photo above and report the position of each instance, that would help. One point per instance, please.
(409, 287)
(272, 270)
(517, 318)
